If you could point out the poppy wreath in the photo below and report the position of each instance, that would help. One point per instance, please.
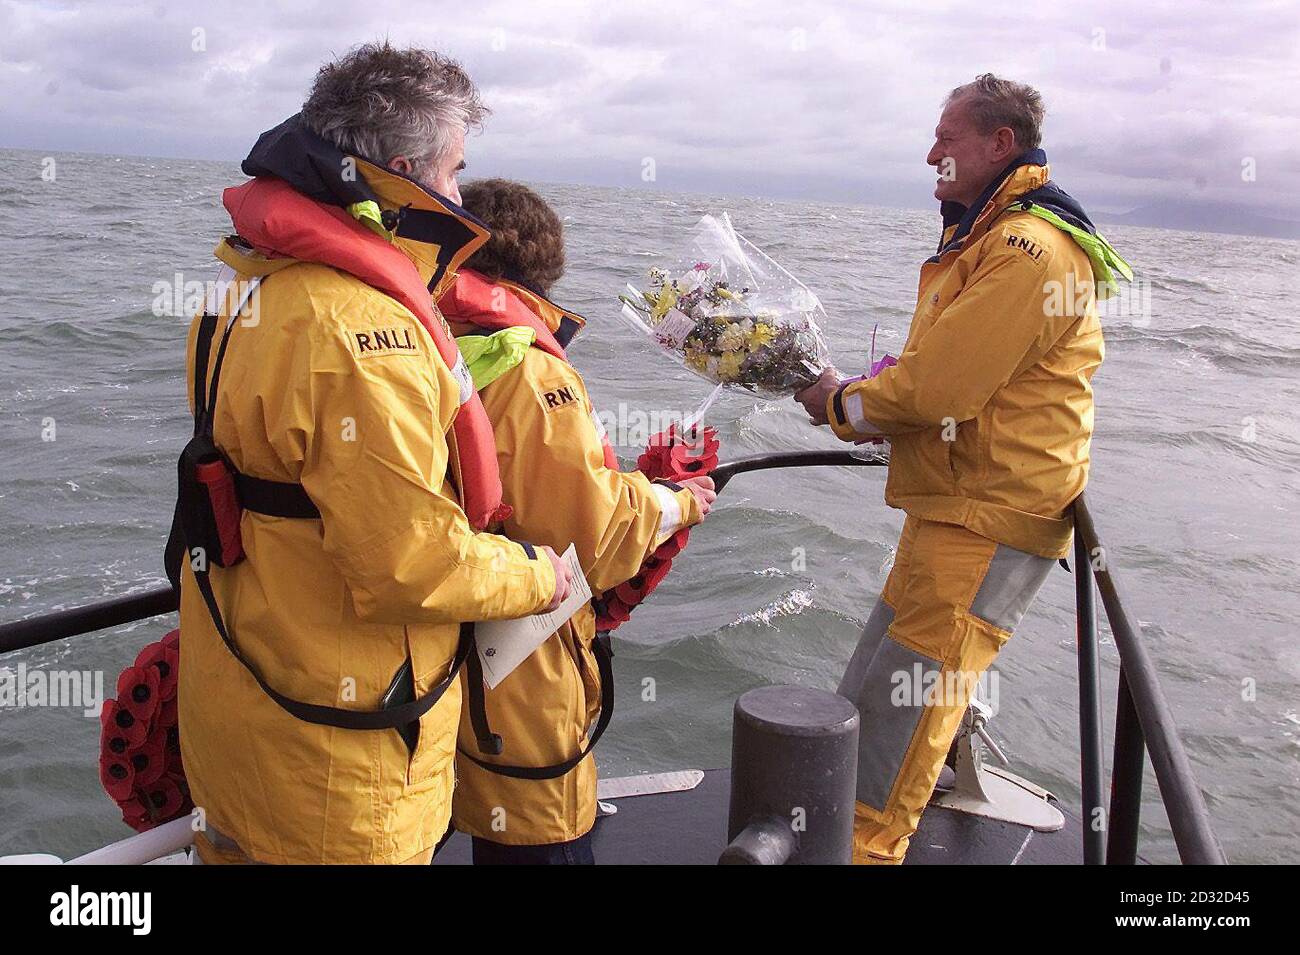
(140, 753)
(671, 455)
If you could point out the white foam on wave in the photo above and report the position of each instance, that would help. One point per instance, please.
(792, 604)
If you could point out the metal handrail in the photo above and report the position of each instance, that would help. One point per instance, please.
(60, 624)
(1143, 720)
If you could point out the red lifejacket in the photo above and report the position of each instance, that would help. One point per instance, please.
(279, 221)
(474, 299)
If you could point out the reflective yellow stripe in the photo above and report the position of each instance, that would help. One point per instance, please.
(369, 215)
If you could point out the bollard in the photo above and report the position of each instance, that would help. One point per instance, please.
(794, 765)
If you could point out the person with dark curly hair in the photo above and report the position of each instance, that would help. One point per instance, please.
(535, 801)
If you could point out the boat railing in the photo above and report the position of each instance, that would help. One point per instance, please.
(1144, 721)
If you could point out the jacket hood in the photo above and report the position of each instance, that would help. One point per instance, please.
(475, 300)
(1052, 197)
(435, 232)
(1053, 204)
(307, 161)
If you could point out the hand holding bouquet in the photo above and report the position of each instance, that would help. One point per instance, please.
(732, 315)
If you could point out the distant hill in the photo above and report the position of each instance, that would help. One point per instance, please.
(1205, 217)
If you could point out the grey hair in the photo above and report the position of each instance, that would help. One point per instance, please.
(378, 102)
(995, 102)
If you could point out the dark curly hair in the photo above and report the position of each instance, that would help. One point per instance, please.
(527, 244)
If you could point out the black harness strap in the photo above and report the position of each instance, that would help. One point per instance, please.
(176, 550)
(604, 653)
(392, 718)
(488, 741)
(274, 498)
(202, 350)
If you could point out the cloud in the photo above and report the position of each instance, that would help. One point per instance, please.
(822, 98)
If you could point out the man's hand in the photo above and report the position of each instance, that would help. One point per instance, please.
(814, 397)
(563, 579)
(702, 488)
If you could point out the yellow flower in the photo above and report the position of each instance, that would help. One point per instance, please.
(729, 366)
(696, 358)
(666, 300)
(731, 339)
(761, 335)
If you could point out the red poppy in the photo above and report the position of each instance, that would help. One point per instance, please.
(652, 572)
(168, 715)
(149, 760)
(117, 777)
(673, 546)
(166, 660)
(164, 799)
(137, 691)
(135, 815)
(173, 766)
(118, 723)
(612, 613)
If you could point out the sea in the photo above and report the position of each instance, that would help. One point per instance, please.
(1195, 484)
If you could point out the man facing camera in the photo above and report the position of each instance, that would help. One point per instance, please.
(989, 416)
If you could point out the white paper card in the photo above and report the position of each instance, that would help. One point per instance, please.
(674, 327)
(504, 644)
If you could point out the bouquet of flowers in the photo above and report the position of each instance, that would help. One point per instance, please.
(732, 315)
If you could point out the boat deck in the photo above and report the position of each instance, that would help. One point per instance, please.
(690, 828)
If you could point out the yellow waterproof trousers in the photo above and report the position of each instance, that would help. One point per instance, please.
(951, 601)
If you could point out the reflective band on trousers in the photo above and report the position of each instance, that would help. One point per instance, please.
(888, 728)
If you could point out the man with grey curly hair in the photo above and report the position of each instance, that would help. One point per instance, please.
(354, 544)
(407, 109)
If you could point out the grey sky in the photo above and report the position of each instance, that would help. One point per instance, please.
(827, 99)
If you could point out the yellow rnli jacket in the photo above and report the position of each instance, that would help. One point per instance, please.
(989, 411)
(554, 471)
(328, 610)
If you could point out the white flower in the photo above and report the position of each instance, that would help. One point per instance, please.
(732, 338)
(691, 280)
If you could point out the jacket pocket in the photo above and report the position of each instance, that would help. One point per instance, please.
(581, 633)
(436, 743)
(968, 454)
